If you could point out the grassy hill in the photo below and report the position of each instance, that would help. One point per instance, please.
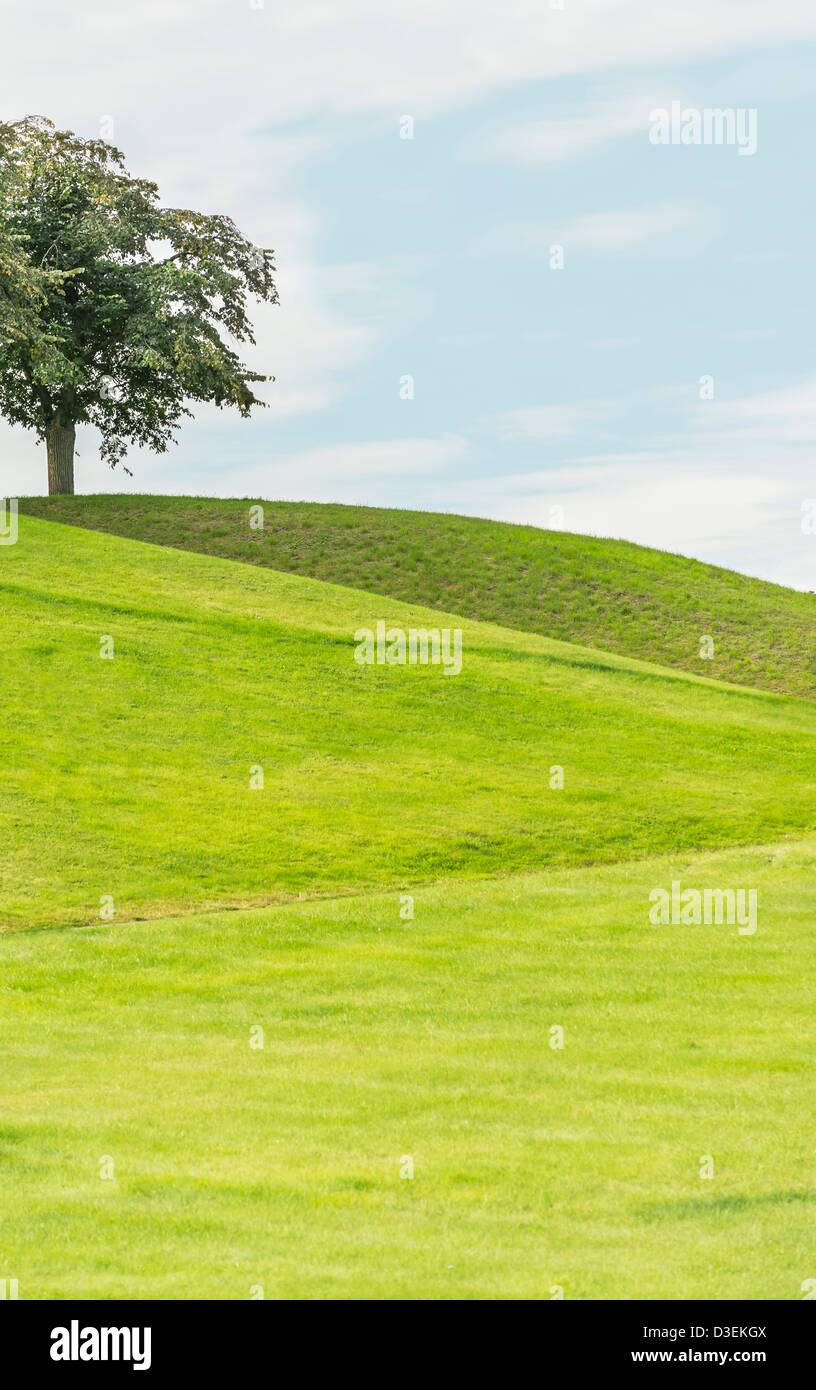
(131, 777)
(152, 1149)
(602, 593)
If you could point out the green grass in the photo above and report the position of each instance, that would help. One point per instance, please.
(428, 1039)
(130, 778)
(607, 594)
(386, 1039)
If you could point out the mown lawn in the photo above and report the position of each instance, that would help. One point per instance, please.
(390, 1042)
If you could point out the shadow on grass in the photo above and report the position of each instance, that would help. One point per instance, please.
(695, 1207)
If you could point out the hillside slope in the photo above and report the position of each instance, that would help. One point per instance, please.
(129, 779)
(610, 595)
(545, 1063)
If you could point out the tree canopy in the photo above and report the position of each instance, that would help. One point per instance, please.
(114, 310)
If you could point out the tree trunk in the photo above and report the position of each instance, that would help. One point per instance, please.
(59, 440)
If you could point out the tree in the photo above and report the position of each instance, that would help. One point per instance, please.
(114, 311)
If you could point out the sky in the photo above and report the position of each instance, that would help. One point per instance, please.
(500, 293)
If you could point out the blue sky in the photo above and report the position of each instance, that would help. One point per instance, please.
(558, 396)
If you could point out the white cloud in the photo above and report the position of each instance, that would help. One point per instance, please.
(677, 228)
(574, 418)
(616, 231)
(371, 458)
(786, 416)
(365, 472)
(333, 471)
(188, 69)
(543, 422)
(566, 136)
